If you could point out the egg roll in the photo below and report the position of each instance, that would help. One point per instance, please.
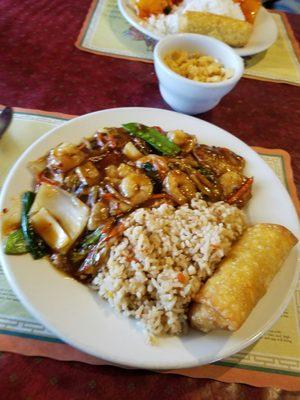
(243, 277)
(234, 32)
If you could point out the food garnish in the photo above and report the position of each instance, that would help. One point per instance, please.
(153, 137)
(15, 243)
(34, 244)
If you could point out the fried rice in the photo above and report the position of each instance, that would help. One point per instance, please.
(162, 259)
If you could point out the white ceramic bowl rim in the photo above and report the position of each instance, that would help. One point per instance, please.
(238, 71)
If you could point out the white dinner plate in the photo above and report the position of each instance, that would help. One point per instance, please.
(72, 311)
(264, 32)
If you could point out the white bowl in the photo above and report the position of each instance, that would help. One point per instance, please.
(188, 96)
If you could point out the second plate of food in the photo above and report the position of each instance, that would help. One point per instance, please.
(263, 35)
(143, 262)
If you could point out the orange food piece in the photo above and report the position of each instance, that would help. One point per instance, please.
(117, 230)
(249, 8)
(148, 7)
(181, 278)
(108, 196)
(244, 190)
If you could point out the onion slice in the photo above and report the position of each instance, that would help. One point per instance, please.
(70, 212)
(49, 229)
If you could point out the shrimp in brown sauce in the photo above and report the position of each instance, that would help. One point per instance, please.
(154, 163)
(179, 186)
(137, 187)
(115, 171)
(185, 141)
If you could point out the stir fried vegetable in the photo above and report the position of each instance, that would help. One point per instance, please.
(34, 244)
(97, 254)
(15, 243)
(153, 137)
(83, 248)
(71, 213)
(153, 175)
(82, 192)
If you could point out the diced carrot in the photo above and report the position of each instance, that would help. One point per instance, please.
(181, 278)
(107, 227)
(116, 231)
(131, 258)
(108, 196)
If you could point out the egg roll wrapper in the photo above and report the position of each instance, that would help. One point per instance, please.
(232, 31)
(243, 277)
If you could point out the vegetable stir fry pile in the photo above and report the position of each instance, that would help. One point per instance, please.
(81, 192)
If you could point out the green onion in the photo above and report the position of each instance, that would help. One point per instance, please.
(15, 243)
(34, 243)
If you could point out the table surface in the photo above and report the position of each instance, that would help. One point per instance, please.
(40, 68)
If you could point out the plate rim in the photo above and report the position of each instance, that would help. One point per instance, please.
(120, 361)
(242, 51)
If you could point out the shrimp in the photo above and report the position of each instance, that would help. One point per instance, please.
(182, 139)
(65, 157)
(156, 163)
(179, 186)
(136, 187)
